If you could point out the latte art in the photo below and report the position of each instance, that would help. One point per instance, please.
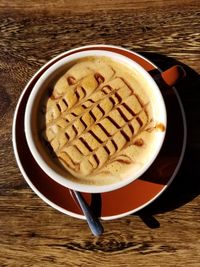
(98, 121)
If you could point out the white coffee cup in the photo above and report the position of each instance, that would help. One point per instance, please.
(54, 71)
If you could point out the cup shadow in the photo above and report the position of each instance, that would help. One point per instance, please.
(186, 185)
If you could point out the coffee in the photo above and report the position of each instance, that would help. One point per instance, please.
(97, 122)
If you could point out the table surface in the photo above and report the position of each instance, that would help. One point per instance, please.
(31, 232)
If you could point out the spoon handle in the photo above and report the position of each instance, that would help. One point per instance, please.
(93, 222)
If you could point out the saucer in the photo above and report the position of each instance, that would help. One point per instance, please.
(123, 201)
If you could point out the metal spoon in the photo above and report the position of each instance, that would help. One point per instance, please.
(93, 222)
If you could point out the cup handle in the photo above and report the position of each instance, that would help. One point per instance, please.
(170, 76)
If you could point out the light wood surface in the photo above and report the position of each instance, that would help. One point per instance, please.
(31, 232)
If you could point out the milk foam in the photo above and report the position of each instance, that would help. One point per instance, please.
(98, 121)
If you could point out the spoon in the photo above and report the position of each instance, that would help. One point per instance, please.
(93, 222)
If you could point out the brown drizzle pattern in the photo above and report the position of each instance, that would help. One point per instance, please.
(91, 127)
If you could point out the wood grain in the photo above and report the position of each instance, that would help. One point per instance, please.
(88, 5)
(31, 232)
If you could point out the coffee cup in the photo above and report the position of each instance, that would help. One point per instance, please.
(96, 120)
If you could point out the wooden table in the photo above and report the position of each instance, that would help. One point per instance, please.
(31, 232)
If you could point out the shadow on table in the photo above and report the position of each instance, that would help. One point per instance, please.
(186, 185)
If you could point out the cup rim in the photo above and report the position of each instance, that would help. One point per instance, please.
(28, 129)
